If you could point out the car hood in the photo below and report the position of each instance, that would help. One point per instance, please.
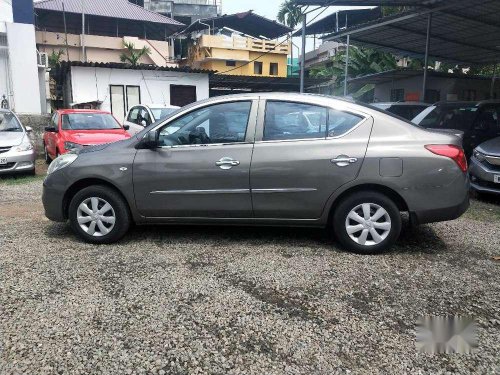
(491, 147)
(93, 137)
(11, 138)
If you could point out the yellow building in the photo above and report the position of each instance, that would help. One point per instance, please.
(237, 55)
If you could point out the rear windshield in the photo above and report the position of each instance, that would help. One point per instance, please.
(89, 121)
(458, 117)
(9, 123)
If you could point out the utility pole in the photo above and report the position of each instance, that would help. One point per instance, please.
(303, 57)
(84, 57)
(65, 32)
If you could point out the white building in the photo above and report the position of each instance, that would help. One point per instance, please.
(117, 87)
(22, 73)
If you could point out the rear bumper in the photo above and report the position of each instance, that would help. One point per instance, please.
(441, 214)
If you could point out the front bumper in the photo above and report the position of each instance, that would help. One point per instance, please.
(18, 161)
(482, 177)
(53, 199)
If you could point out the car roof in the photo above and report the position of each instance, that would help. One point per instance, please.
(402, 104)
(69, 111)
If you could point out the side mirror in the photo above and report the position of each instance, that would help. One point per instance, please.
(126, 127)
(50, 129)
(150, 140)
(144, 123)
(29, 129)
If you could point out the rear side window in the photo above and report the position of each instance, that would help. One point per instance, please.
(340, 122)
(287, 120)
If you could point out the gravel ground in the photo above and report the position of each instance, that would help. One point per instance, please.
(188, 300)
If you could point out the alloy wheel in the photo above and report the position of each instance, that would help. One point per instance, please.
(368, 224)
(96, 216)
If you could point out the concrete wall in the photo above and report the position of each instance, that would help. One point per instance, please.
(90, 84)
(5, 14)
(23, 68)
(38, 124)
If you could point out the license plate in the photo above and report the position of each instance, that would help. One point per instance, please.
(496, 178)
(3, 161)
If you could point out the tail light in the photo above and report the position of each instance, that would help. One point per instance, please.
(450, 151)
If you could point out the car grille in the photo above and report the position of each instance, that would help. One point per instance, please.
(6, 166)
(492, 167)
(5, 149)
(493, 160)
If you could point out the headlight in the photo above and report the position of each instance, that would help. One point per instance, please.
(61, 162)
(479, 156)
(71, 146)
(26, 145)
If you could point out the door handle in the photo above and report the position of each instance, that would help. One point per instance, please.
(227, 163)
(343, 160)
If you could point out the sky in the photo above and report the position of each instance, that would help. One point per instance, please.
(269, 9)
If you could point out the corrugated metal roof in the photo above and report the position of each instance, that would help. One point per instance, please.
(461, 32)
(121, 9)
(367, 2)
(67, 64)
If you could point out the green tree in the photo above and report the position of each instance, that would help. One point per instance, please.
(290, 14)
(55, 58)
(132, 55)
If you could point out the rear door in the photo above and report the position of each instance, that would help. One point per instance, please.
(201, 169)
(302, 154)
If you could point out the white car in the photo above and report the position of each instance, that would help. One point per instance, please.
(140, 116)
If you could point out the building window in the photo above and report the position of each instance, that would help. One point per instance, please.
(230, 63)
(257, 68)
(397, 95)
(273, 69)
(117, 101)
(133, 96)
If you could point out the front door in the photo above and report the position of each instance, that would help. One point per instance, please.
(201, 169)
(302, 154)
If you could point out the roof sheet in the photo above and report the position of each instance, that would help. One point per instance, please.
(67, 64)
(247, 22)
(121, 9)
(367, 2)
(460, 32)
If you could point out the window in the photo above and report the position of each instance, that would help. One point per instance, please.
(133, 96)
(117, 101)
(257, 67)
(340, 122)
(181, 95)
(487, 120)
(219, 123)
(397, 95)
(450, 116)
(287, 120)
(273, 69)
(230, 63)
(145, 116)
(133, 115)
(432, 96)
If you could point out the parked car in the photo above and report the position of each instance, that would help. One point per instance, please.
(140, 116)
(233, 160)
(406, 110)
(17, 151)
(76, 128)
(485, 167)
(478, 120)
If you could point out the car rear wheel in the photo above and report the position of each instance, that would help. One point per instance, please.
(48, 160)
(367, 222)
(99, 215)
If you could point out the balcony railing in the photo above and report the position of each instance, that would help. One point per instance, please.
(242, 43)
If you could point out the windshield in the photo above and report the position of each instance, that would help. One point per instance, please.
(9, 123)
(457, 116)
(89, 121)
(161, 113)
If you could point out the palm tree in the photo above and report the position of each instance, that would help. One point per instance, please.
(132, 56)
(290, 14)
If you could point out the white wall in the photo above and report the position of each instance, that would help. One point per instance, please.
(23, 68)
(92, 84)
(5, 13)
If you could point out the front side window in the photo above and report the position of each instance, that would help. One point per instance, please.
(219, 123)
(9, 123)
(89, 121)
(133, 115)
(287, 120)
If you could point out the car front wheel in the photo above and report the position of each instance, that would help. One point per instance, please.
(367, 222)
(99, 214)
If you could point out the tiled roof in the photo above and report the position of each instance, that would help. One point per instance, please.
(121, 9)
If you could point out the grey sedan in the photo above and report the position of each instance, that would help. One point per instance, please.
(485, 167)
(17, 152)
(265, 159)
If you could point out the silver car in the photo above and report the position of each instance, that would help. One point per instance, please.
(485, 167)
(17, 152)
(254, 160)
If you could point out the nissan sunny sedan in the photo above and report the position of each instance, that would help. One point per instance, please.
(265, 159)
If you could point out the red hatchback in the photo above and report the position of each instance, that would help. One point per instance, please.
(77, 128)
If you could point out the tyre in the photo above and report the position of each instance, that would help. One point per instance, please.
(48, 160)
(99, 215)
(367, 222)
